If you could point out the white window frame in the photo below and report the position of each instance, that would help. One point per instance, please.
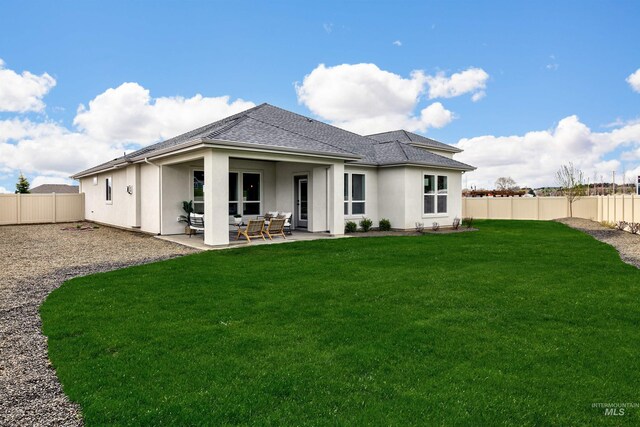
(435, 195)
(349, 200)
(240, 173)
(236, 200)
(108, 194)
(241, 200)
(192, 196)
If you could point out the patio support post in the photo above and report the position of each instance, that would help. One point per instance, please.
(216, 198)
(336, 199)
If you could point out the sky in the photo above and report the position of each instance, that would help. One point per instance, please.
(521, 87)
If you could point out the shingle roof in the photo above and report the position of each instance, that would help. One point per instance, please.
(397, 153)
(271, 126)
(412, 138)
(54, 188)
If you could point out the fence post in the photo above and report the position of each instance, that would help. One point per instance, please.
(19, 210)
(537, 207)
(622, 207)
(487, 199)
(53, 202)
(511, 208)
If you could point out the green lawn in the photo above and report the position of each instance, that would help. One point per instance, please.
(517, 323)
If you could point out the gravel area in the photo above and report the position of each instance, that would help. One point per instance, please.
(35, 260)
(627, 244)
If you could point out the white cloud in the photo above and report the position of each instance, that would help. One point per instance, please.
(129, 114)
(533, 158)
(5, 191)
(634, 80)
(397, 43)
(328, 27)
(365, 99)
(552, 66)
(115, 121)
(50, 149)
(22, 93)
(472, 80)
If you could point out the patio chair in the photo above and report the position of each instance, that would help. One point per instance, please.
(196, 223)
(275, 228)
(253, 229)
(268, 216)
(287, 221)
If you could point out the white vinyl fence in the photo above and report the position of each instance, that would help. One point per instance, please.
(598, 208)
(40, 208)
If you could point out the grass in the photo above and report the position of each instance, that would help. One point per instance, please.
(520, 323)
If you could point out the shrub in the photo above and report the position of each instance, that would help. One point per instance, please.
(435, 226)
(634, 227)
(384, 225)
(621, 225)
(365, 224)
(608, 224)
(456, 223)
(419, 227)
(350, 227)
(467, 222)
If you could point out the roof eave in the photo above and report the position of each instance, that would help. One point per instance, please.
(466, 168)
(449, 148)
(205, 142)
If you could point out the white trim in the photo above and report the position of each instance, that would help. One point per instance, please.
(435, 195)
(350, 201)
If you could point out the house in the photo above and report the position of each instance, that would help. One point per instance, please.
(267, 159)
(55, 188)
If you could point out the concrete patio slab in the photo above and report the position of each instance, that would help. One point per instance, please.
(197, 241)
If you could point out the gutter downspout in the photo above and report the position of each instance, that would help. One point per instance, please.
(146, 160)
(326, 197)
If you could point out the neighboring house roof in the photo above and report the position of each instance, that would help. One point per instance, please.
(54, 188)
(272, 128)
(413, 139)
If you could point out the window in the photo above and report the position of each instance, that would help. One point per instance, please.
(108, 189)
(357, 201)
(250, 193)
(346, 194)
(233, 193)
(435, 198)
(198, 192)
(245, 203)
(442, 194)
(357, 194)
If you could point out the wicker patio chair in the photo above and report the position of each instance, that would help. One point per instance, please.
(287, 221)
(275, 228)
(196, 223)
(253, 229)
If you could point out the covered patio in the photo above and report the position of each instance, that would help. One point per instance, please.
(223, 183)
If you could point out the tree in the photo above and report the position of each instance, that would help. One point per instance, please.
(505, 183)
(22, 186)
(571, 181)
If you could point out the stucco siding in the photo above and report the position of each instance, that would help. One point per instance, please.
(415, 197)
(391, 196)
(150, 198)
(97, 208)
